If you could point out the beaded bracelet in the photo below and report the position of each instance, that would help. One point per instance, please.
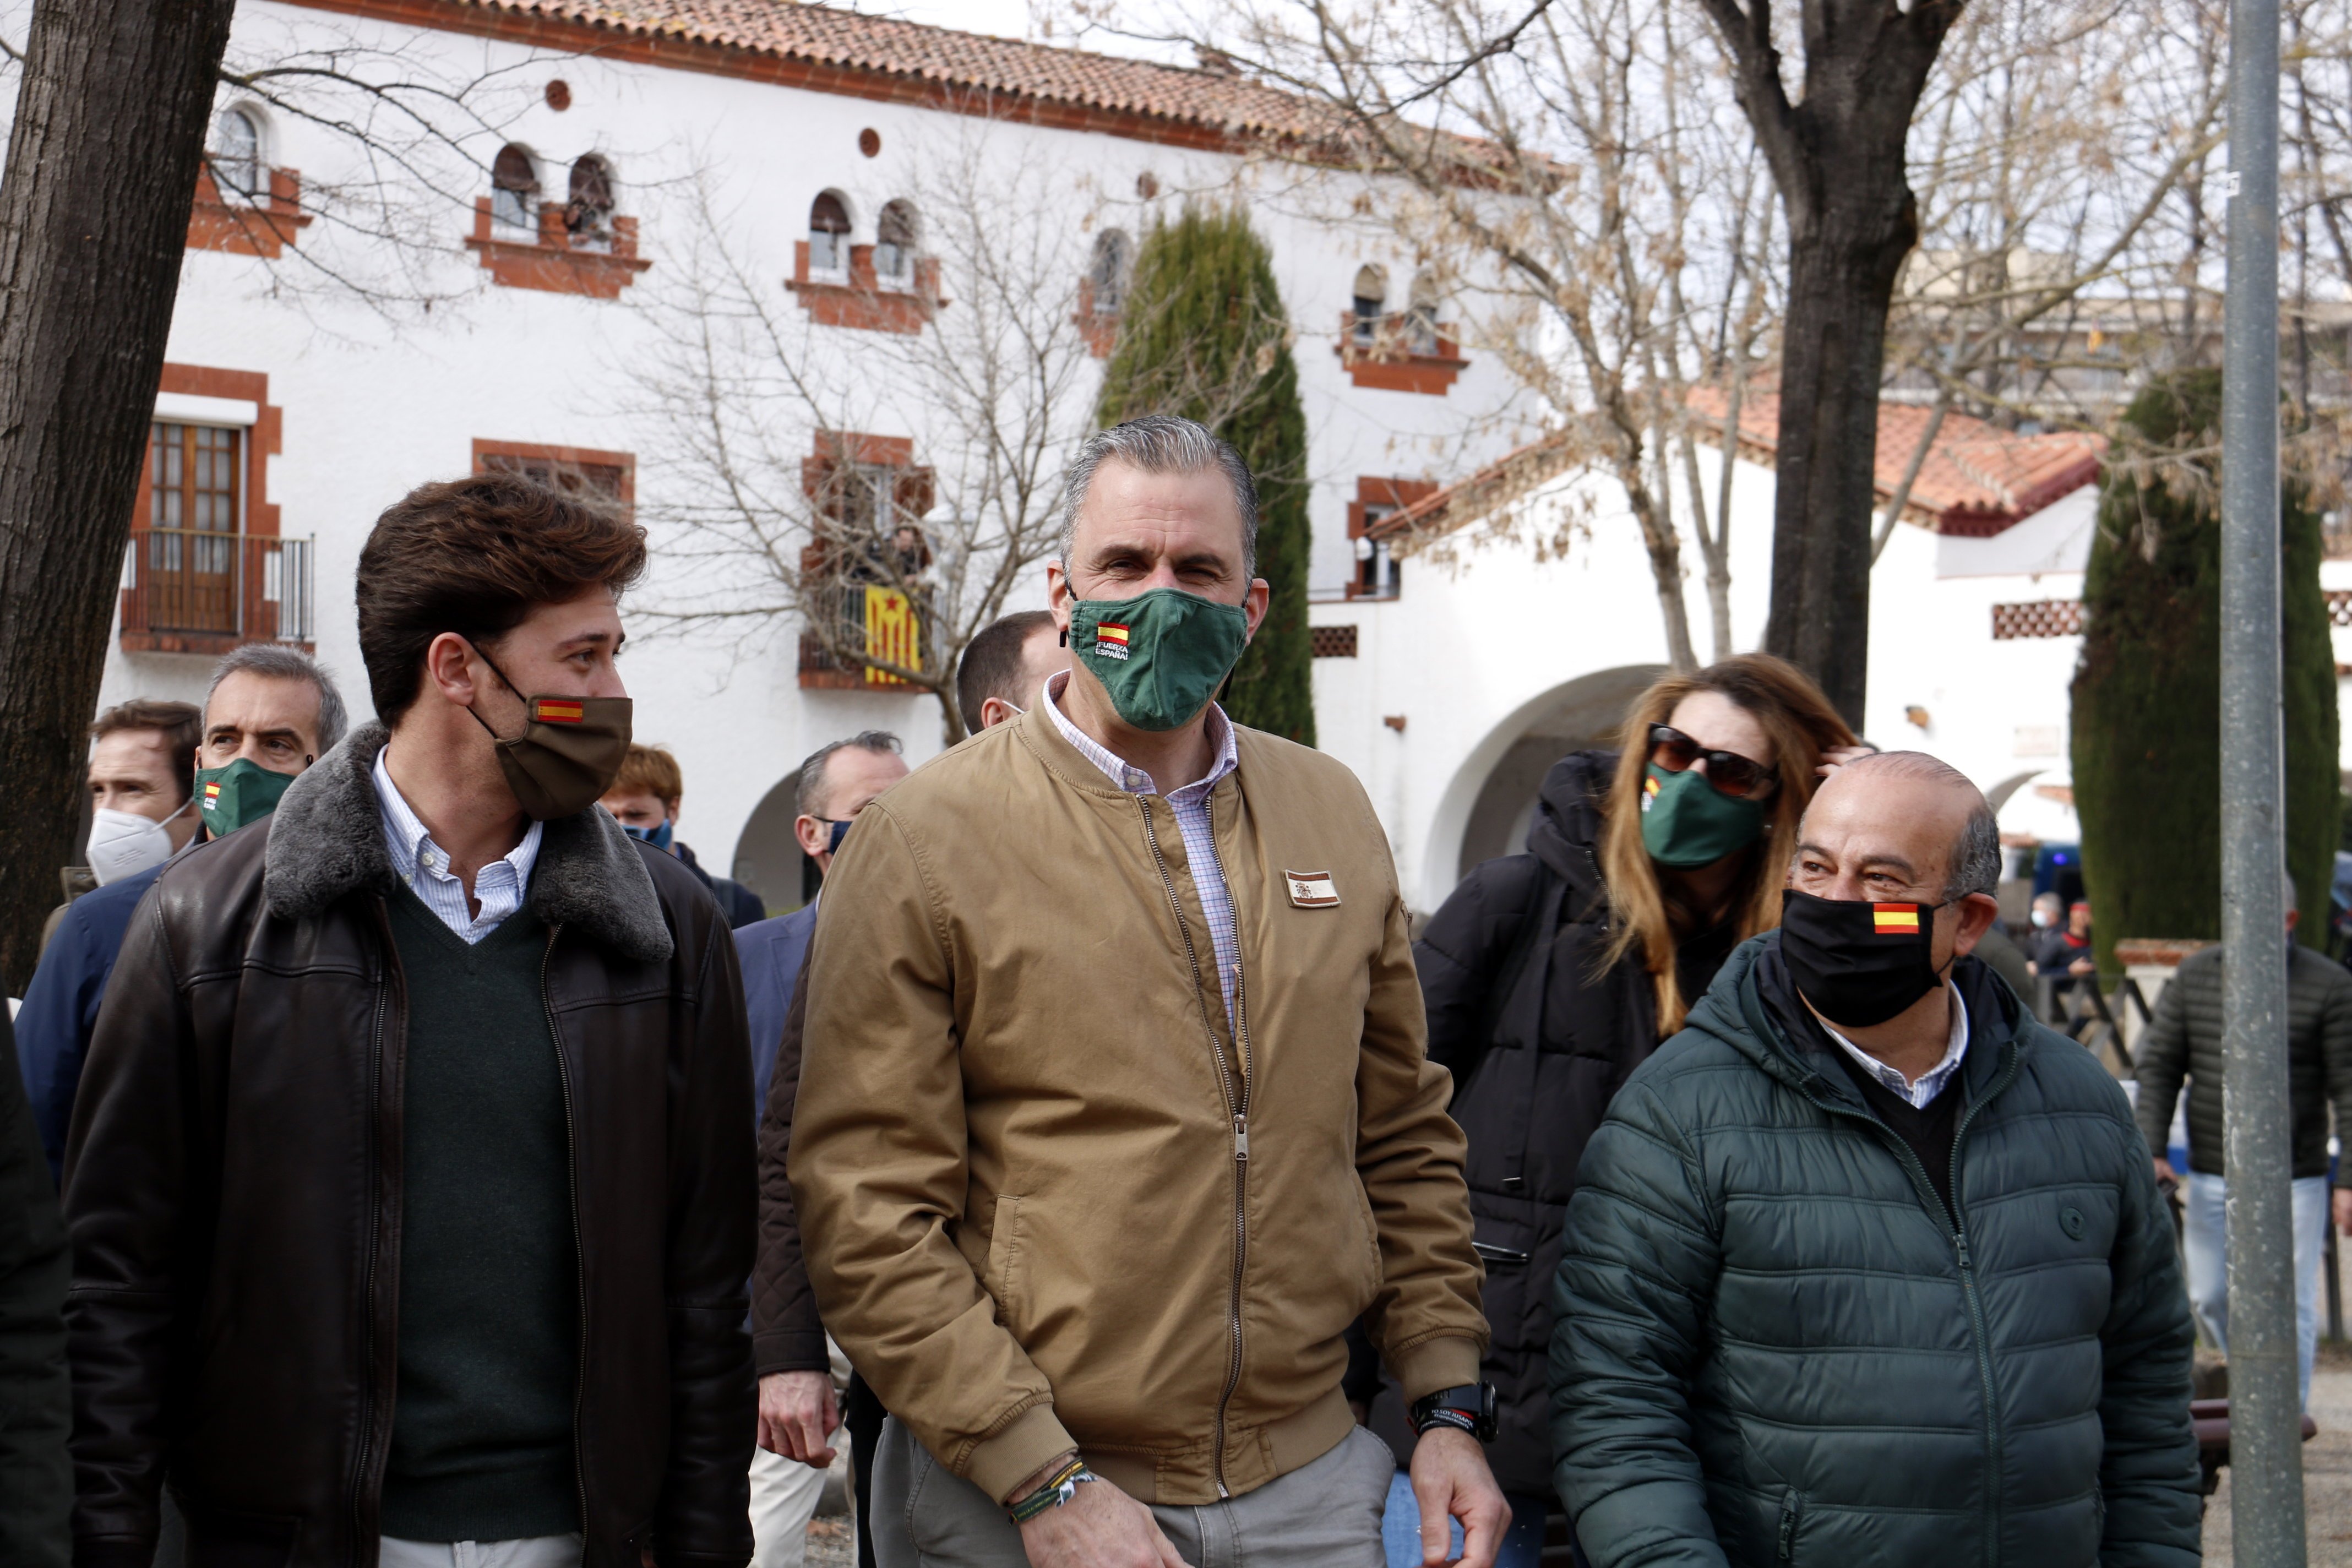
(1058, 1489)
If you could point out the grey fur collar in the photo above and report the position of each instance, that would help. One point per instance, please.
(326, 840)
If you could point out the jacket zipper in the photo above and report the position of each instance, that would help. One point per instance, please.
(578, 1256)
(1934, 1205)
(1789, 1507)
(364, 1540)
(1237, 1110)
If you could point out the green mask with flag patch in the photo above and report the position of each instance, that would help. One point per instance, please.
(1161, 655)
(239, 795)
(1686, 821)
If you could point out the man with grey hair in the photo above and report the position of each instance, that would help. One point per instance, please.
(2184, 1041)
(1866, 1264)
(1115, 1111)
(269, 712)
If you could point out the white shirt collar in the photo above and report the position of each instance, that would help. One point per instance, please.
(1931, 1083)
(1121, 773)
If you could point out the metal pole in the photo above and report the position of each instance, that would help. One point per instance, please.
(2265, 1415)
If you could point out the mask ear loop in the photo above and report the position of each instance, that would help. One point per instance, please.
(509, 685)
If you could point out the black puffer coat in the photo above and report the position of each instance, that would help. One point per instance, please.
(1563, 1038)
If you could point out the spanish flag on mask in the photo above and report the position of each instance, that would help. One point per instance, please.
(1895, 920)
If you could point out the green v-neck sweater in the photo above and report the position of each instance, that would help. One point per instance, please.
(481, 1431)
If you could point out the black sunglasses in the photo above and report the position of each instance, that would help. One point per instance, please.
(1730, 774)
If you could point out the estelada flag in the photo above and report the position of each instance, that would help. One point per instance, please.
(894, 632)
(1110, 631)
(556, 711)
(1895, 920)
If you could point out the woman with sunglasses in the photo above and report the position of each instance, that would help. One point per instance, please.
(1550, 977)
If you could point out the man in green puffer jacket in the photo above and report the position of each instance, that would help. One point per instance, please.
(1865, 1266)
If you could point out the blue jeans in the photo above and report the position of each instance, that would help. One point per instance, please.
(2205, 1248)
(1400, 1529)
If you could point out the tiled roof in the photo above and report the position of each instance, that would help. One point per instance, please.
(1977, 480)
(1212, 101)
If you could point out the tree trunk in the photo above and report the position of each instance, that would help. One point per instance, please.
(102, 162)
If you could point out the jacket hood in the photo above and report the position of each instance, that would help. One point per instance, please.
(326, 840)
(1734, 1011)
(1566, 833)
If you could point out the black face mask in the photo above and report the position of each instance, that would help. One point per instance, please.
(1859, 964)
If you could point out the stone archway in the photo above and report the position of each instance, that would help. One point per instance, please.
(767, 858)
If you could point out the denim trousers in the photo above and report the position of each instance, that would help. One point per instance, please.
(1400, 1529)
(2205, 1248)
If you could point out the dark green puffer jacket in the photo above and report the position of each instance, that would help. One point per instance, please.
(1772, 1346)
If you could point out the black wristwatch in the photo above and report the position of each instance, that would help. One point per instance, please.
(1470, 1407)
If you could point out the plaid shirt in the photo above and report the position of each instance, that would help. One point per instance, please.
(1190, 805)
(424, 864)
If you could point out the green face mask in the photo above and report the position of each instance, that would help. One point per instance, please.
(1162, 655)
(1686, 821)
(242, 793)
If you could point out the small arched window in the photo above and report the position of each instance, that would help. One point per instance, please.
(589, 214)
(1421, 315)
(894, 235)
(1371, 298)
(828, 234)
(236, 152)
(514, 186)
(1107, 272)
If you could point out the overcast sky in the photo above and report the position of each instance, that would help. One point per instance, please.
(1005, 18)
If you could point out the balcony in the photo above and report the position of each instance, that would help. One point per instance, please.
(188, 591)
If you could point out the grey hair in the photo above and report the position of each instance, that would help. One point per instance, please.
(1160, 444)
(809, 797)
(276, 661)
(1974, 866)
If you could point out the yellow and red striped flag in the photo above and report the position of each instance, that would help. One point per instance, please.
(558, 710)
(1895, 920)
(893, 632)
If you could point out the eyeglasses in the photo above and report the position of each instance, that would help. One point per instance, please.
(1730, 774)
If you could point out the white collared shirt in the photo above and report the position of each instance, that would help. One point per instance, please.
(1931, 1083)
(1190, 805)
(499, 887)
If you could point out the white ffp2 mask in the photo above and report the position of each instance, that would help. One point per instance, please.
(123, 843)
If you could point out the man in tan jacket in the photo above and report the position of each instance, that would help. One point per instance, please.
(1114, 1111)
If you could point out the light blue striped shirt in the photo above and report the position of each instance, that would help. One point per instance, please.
(499, 887)
(1190, 805)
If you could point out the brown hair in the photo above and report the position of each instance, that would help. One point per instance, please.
(475, 556)
(991, 664)
(181, 725)
(1802, 724)
(650, 769)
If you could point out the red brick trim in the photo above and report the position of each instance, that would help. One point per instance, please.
(1388, 366)
(583, 456)
(1372, 491)
(862, 303)
(553, 265)
(247, 228)
(1099, 328)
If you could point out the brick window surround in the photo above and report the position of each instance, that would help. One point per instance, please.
(1099, 328)
(859, 302)
(263, 441)
(552, 263)
(1378, 497)
(263, 225)
(613, 474)
(1388, 365)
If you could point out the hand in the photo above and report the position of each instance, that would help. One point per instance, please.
(1451, 1480)
(2081, 966)
(2166, 1176)
(1099, 1527)
(2342, 1200)
(798, 1416)
(1837, 757)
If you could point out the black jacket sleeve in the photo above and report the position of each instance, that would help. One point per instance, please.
(787, 1335)
(1462, 950)
(35, 1478)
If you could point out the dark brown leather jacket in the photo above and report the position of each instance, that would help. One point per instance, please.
(233, 1191)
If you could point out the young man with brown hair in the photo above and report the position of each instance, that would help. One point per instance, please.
(643, 798)
(410, 1182)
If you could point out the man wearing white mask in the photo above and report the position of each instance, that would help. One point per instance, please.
(142, 782)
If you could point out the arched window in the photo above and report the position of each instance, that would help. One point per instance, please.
(236, 152)
(894, 245)
(589, 214)
(828, 234)
(1107, 272)
(1421, 315)
(1371, 299)
(514, 187)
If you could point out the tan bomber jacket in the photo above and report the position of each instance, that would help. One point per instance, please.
(1049, 1199)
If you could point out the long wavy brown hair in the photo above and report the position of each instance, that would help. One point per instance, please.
(1650, 915)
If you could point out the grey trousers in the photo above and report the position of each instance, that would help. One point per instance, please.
(1326, 1514)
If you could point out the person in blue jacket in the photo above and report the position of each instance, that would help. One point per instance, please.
(271, 711)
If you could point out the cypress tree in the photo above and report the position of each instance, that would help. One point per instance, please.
(2147, 689)
(1202, 333)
